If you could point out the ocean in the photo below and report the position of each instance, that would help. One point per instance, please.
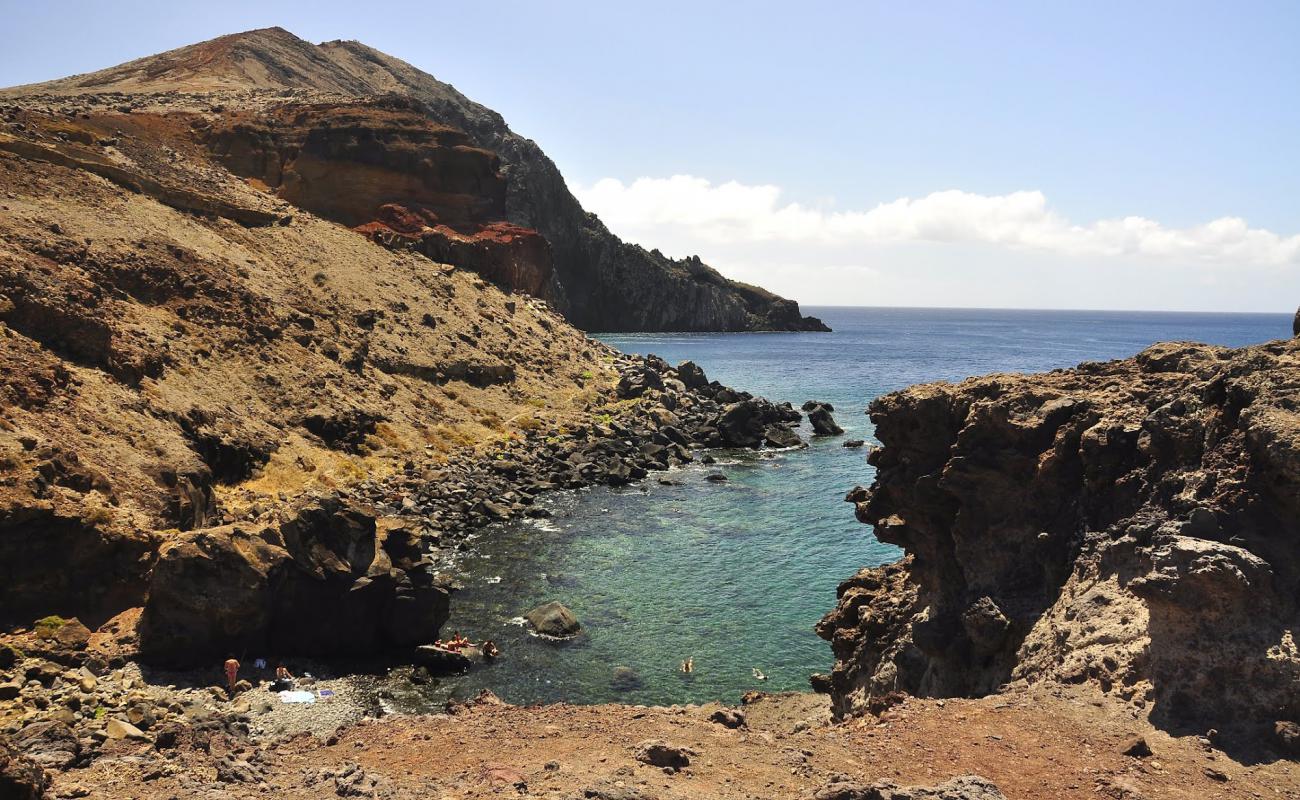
(735, 574)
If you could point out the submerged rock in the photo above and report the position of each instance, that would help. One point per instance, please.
(553, 619)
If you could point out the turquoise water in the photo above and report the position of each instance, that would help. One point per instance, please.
(736, 574)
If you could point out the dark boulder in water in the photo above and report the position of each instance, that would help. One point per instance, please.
(781, 436)
(553, 619)
(822, 422)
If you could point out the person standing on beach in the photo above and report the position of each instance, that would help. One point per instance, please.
(232, 674)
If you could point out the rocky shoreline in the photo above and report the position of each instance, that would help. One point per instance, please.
(71, 689)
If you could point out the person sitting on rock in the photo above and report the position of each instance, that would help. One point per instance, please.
(489, 649)
(232, 674)
(283, 679)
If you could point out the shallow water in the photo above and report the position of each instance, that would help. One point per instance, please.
(736, 574)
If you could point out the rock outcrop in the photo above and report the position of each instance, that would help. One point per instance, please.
(1129, 525)
(322, 583)
(599, 282)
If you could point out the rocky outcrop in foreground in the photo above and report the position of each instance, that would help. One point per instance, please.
(1130, 525)
(599, 282)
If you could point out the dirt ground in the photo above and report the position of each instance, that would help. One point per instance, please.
(1031, 746)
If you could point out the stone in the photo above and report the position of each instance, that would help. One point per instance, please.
(823, 423)
(854, 443)
(553, 619)
(716, 477)
(118, 728)
(1136, 747)
(658, 753)
(625, 679)
(1287, 735)
(86, 680)
(73, 635)
(965, 787)
(318, 583)
(690, 374)
(21, 777)
(436, 660)
(10, 690)
(781, 436)
(728, 718)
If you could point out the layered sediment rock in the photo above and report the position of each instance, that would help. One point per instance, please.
(385, 168)
(1130, 525)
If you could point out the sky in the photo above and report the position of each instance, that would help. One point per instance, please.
(1041, 155)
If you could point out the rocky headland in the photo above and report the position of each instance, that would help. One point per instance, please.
(1126, 527)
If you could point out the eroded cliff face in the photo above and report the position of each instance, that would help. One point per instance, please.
(384, 168)
(599, 282)
(1129, 525)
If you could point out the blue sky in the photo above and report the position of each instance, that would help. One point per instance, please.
(1041, 121)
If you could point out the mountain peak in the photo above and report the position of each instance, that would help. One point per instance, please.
(265, 58)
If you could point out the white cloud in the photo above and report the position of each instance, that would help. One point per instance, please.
(685, 208)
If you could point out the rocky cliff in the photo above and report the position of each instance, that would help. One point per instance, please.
(599, 282)
(1130, 526)
(190, 366)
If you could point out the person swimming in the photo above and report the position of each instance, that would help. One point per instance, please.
(688, 666)
(489, 649)
(759, 675)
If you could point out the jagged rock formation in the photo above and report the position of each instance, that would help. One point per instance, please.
(599, 282)
(1129, 525)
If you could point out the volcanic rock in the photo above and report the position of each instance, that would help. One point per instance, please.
(658, 753)
(553, 619)
(1120, 525)
(822, 422)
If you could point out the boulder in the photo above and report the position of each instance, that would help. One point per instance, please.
(121, 729)
(728, 718)
(438, 661)
(965, 787)
(823, 423)
(317, 584)
(690, 374)
(1287, 736)
(50, 743)
(637, 381)
(553, 619)
(781, 435)
(854, 442)
(21, 778)
(625, 679)
(658, 753)
(73, 635)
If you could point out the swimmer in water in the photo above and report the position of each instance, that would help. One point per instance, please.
(688, 666)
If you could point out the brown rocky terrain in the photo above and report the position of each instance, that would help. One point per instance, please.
(598, 281)
(1127, 526)
(275, 338)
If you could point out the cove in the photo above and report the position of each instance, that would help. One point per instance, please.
(735, 574)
